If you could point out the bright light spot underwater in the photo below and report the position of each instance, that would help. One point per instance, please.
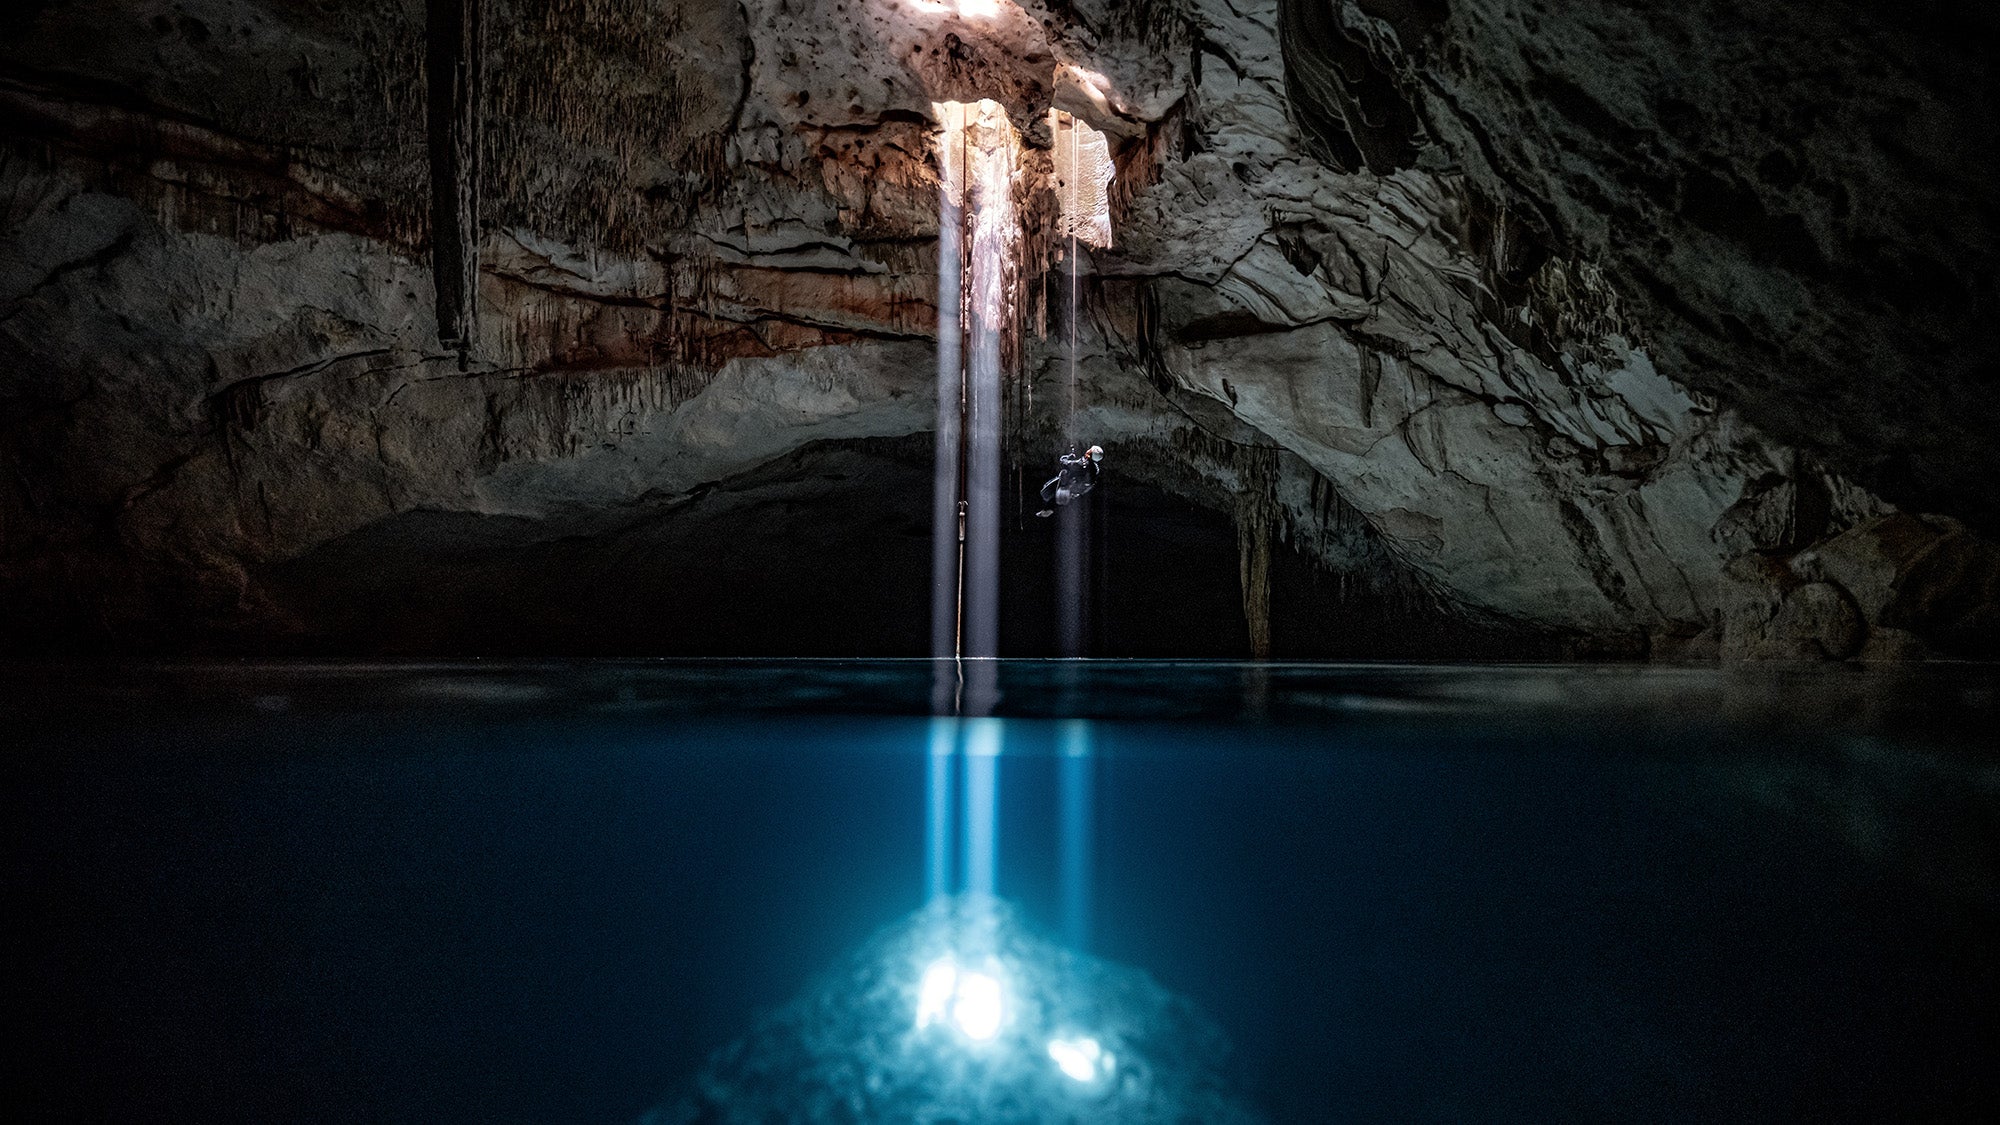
(934, 994)
(980, 9)
(970, 999)
(1008, 1025)
(977, 1010)
(1080, 1058)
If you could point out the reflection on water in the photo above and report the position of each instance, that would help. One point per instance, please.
(597, 892)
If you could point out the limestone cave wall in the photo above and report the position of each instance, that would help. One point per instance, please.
(1528, 329)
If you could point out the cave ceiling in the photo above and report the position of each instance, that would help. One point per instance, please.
(1667, 328)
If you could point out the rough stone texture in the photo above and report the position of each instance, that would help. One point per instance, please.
(1808, 621)
(1426, 320)
(1918, 575)
(1795, 201)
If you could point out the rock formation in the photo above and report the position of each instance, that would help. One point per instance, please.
(1612, 333)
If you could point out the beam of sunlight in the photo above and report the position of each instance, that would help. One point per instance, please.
(980, 153)
(937, 808)
(1072, 592)
(1076, 799)
(945, 531)
(982, 804)
(1083, 175)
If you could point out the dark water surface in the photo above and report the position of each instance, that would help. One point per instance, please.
(546, 893)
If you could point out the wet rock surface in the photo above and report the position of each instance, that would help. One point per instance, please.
(1486, 308)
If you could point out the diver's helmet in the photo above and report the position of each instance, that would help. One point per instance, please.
(1095, 453)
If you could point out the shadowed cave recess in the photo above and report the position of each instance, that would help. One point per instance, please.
(1493, 329)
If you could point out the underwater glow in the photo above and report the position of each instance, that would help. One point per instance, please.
(979, 9)
(1073, 849)
(982, 804)
(961, 1011)
(1081, 1058)
(937, 807)
(971, 1000)
(934, 994)
(976, 1010)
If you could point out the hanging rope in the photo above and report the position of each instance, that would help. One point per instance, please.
(1070, 424)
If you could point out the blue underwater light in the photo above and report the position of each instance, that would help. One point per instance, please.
(961, 1012)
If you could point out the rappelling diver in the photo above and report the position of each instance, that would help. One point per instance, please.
(1076, 474)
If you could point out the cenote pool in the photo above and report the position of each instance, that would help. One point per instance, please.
(754, 891)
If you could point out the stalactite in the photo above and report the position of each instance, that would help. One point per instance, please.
(1137, 165)
(589, 134)
(455, 60)
(1257, 513)
(390, 75)
(1274, 498)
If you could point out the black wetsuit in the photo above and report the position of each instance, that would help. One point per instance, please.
(1076, 474)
